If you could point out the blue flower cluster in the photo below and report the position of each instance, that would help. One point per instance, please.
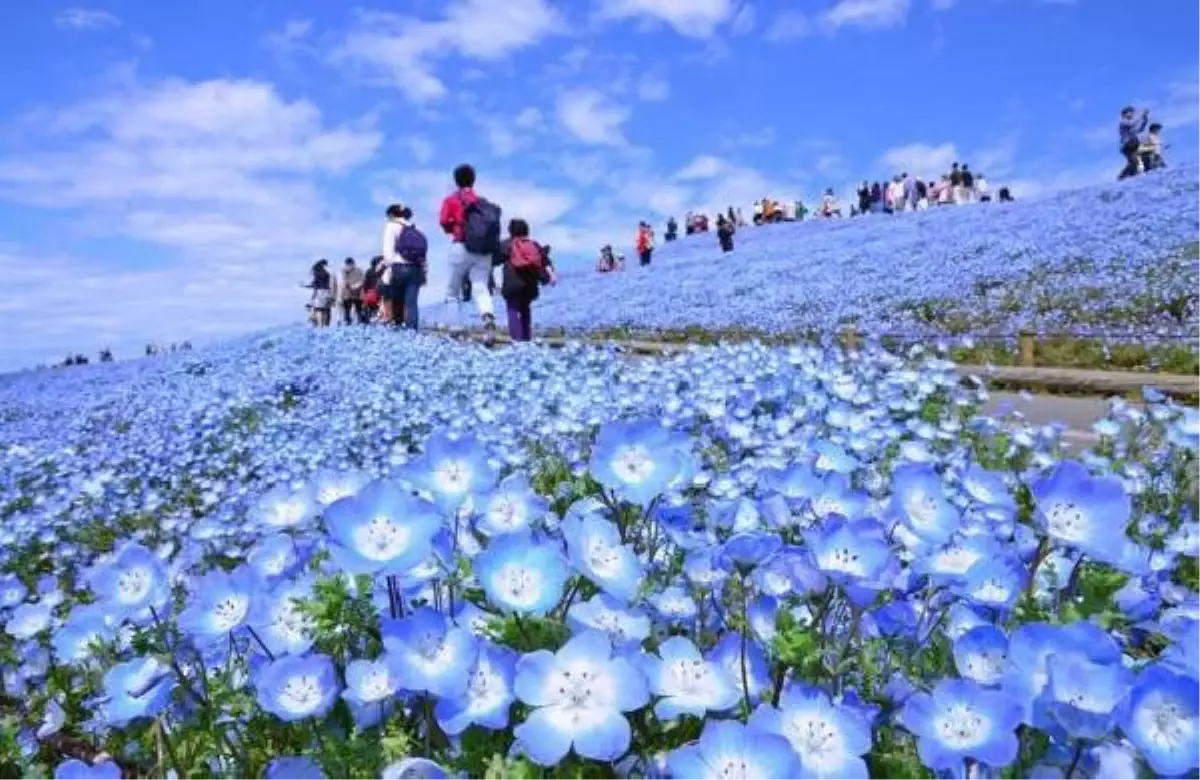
(1117, 259)
(366, 554)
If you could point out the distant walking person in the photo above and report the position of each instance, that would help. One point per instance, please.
(1127, 130)
(352, 292)
(473, 225)
(725, 230)
(526, 266)
(645, 243)
(324, 292)
(405, 251)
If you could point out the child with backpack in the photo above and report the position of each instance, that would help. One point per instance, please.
(473, 225)
(405, 250)
(526, 267)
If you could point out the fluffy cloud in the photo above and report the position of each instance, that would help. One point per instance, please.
(865, 13)
(85, 19)
(921, 160)
(591, 117)
(400, 50)
(691, 18)
(789, 26)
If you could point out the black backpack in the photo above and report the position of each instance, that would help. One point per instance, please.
(481, 228)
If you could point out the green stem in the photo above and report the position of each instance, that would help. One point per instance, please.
(745, 641)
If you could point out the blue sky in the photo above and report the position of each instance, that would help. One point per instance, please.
(168, 174)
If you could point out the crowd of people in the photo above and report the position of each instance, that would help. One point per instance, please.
(388, 290)
(1142, 153)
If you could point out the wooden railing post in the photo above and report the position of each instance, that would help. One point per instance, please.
(1026, 342)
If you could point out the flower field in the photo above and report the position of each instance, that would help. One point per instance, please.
(1109, 274)
(273, 559)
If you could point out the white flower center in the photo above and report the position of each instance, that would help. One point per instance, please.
(960, 726)
(1163, 720)
(377, 684)
(229, 612)
(992, 590)
(735, 768)
(452, 477)
(633, 464)
(301, 693)
(986, 666)
(519, 584)
(815, 739)
(602, 557)
(689, 678)
(381, 539)
(1066, 521)
(842, 559)
(289, 512)
(134, 584)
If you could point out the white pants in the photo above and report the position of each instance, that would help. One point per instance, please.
(477, 268)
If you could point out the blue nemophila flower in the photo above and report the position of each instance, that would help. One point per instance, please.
(1083, 695)
(848, 551)
(1081, 511)
(140, 688)
(1162, 718)
(273, 556)
(220, 603)
(625, 626)
(284, 506)
(382, 529)
(512, 507)
(686, 682)
(994, 582)
(521, 575)
(452, 469)
(413, 769)
(594, 547)
(488, 696)
(333, 484)
(981, 654)
(1032, 645)
(12, 590)
(744, 551)
(297, 687)
(279, 621)
(293, 768)
(427, 652)
(131, 583)
(636, 460)
(919, 500)
(962, 720)
(28, 620)
(674, 604)
(579, 695)
(728, 654)
(85, 625)
(74, 769)
(369, 682)
(988, 488)
(830, 739)
(727, 748)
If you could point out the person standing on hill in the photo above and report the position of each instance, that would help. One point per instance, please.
(1128, 129)
(525, 267)
(968, 184)
(324, 292)
(473, 225)
(352, 292)
(644, 243)
(955, 184)
(725, 231)
(405, 254)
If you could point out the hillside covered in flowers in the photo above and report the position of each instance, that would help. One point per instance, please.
(274, 559)
(1117, 261)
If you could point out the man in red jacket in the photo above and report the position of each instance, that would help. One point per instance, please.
(477, 267)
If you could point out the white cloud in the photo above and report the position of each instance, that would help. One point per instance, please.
(789, 26)
(591, 117)
(421, 148)
(870, 14)
(222, 175)
(706, 166)
(921, 160)
(1180, 106)
(691, 18)
(290, 38)
(85, 19)
(653, 88)
(529, 118)
(401, 50)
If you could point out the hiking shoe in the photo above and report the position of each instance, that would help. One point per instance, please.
(489, 329)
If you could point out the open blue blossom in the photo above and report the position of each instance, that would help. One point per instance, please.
(220, 603)
(286, 507)
(1162, 717)
(594, 547)
(625, 626)
(919, 500)
(427, 652)
(994, 582)
(279, 621)
(727, 749)
(273, 557)
(511, 507)
(74, 769)
(140, 688)
(1081, 511)
(12, 590)
(1084, 695)
(744, 551)
(962, 720)
(728, 654)
(293, 768)
(1032, 645)
(413, 769)
(981, 654)
(84, 626)
(297, 687)
(488, 697)
(382, 529)
(848, 551)
(579, 695)
(674, 604)
(829, 739)
(452, 469)
(369, 682)
(686, 682)
(521, 575)
(636, 460)
(132, 583)
(28, 620)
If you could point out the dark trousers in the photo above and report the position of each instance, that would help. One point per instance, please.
(352, 311)
(1130, 152)
(405, 291)
(645, 256)
(520, 320)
